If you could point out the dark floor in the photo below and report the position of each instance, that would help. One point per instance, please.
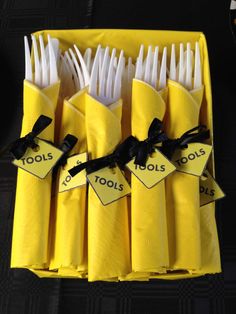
(20, 291)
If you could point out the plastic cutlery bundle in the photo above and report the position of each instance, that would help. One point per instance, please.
(148, 206)
(103, 86)
(30, 245)
(185, 94)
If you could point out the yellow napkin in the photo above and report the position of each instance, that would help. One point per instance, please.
(125, 39)
(69, 245)
(182, 190)
(209, 237)
(210, 252)
(108, 229)
(33, 195)
(148, 206)
(209, 241)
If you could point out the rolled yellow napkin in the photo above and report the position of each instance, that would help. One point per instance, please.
(148, 206)
(210, 253)
(69, 238)
(182, 190)
(108, 229)
(33, 195)
(211, 263)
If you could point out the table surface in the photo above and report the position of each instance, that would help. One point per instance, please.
(23, 293)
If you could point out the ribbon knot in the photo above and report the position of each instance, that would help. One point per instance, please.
(29, 140)
(120, 156)
(191, 136)
(146, 147)
(66, 146)
(19, 147)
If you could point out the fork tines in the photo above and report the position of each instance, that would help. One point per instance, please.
(187, 71)
(106, 75)
(43, 71)
(103, 74)
(151, 70)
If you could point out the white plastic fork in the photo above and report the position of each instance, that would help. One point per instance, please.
(28, 65)
(37, 67)
(83, 66)
(155, 67)
(118, 76)
(45, 79)
(173, 63)
(101, 56)
(110, 75)
(94, 73)
(189, 70)
(88, 59)
(162, 79)
(181, 64)
(148, 70)
(139, 64)
(183, 73)
(197, 83)
(57, 52)
(72, 69)
(101, 83)
(53, 74)
(78, 68)
(104, 70)
(45, 73)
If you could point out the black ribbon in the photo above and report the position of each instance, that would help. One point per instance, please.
(19, 147)
(146, 147)
(121, 156)
(66, 146)
(197, 134)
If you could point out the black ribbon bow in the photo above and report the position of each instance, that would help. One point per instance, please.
(66, 146)
(191, 136)
(19, 147)
(121, 156)
(146, 147)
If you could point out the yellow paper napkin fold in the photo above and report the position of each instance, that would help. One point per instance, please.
(108, 229)
(182, 190)
(148, 206)
(33, 195)
(69, 239)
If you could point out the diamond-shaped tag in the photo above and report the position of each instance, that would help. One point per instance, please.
(109, 184)
(209, 189)
(66, 181)
(40, 161)
(157, 168)
(193, 159)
